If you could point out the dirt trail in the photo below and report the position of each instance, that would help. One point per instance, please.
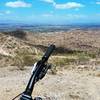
(66, 85)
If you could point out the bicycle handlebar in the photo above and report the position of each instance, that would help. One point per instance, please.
(49, 51)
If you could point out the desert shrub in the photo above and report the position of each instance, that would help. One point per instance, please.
(5, 60)
(83, 57)
(17, 33)
(18, 61)
(53, 70)
(92, 55)
(83, 53)
(75, 58)
(24, 58)
(60, 62)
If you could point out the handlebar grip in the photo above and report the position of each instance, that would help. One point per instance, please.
(49, 51)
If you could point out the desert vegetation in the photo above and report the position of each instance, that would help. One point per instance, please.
(72, 48)
(75, 63)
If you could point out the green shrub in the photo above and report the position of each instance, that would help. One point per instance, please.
(60, 62)
(24, 58)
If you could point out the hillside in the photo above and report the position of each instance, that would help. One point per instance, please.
(75, 73)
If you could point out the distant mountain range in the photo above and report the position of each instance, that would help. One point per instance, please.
(45, 28)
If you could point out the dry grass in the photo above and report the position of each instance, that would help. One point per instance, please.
(73, 47)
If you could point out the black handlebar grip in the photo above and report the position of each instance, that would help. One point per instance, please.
(49, 51)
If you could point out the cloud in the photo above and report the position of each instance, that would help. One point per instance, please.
(17, 4)
(69, 5)
(98, 3)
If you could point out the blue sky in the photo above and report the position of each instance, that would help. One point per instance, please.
(50, 11)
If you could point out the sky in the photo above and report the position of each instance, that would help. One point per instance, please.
(50, 11)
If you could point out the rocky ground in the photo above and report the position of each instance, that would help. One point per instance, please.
(65, 85)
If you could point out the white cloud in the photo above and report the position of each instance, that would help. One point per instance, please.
(98, 3)
(69, 5)
(17, 4)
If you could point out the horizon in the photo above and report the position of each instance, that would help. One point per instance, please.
(50, 11)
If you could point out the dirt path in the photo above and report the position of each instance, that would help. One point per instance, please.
(67, 85)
